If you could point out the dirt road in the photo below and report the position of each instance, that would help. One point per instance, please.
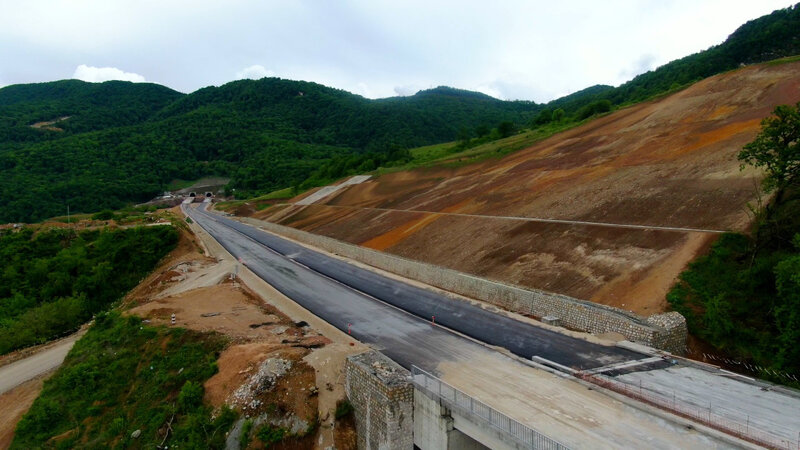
(26, 369)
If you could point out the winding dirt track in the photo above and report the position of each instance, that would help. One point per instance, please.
(663, 173)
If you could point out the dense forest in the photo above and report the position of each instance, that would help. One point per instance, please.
(53, 281)
(115, 143)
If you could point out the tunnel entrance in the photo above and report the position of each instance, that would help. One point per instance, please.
(192, 194)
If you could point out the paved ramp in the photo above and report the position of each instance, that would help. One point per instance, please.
(23, 370)
(328, 190)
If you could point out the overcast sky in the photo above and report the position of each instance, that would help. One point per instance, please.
(531, 50)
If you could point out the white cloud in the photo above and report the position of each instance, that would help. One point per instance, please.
(520, 49)
(100, 74)
(254, 72)
(406, 90)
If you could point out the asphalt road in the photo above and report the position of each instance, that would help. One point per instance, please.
(18, 372)
(388, 313)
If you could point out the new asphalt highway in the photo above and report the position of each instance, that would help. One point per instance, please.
(389, 314)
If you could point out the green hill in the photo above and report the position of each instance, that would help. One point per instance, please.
(89, 106)
(124, 142)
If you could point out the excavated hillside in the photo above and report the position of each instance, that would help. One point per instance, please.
(665, 163)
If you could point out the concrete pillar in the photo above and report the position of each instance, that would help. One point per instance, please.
(434, 427)
(382, 396)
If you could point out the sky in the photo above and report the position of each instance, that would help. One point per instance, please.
(513, 50)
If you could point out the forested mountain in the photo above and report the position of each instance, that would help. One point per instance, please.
(89, 106)
(118, 142)
(124, 142)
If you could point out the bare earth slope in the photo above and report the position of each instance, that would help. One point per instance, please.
(668, 163)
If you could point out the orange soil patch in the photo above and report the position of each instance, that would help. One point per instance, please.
(394, 237)
(722, 112)
(16, 403)
(668, 162)
(723, 133)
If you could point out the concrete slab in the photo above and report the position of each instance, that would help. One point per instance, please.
(752, 405)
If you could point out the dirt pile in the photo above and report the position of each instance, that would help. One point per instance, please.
(665, 163)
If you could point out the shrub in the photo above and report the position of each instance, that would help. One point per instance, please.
(343, 409)
(191, 396)
(269, 434)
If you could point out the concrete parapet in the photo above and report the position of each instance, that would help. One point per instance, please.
(382, 396)
(663, 331)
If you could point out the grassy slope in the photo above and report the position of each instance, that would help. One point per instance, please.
(124, 376)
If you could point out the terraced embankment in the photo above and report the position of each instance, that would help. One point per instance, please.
(665, 163)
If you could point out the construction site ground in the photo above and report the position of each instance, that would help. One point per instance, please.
(666, 163)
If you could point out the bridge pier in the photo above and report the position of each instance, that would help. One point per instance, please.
(382, 396)
(434, 427)
(395, 411)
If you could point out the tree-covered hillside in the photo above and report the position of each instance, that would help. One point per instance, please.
(264, 134)
(89, 106)
(54, 280)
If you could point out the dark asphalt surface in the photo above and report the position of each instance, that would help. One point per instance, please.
(334, 290)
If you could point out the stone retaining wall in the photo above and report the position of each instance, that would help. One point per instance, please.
(663, 331)
(382, 396)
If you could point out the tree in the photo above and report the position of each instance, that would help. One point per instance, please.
(545, 116)
(596, 107)
(506, 128)
(464, 136)
(558, 114)
(787, 310)
(775, 148)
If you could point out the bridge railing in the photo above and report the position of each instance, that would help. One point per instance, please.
(461, 402)
(742, 430)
